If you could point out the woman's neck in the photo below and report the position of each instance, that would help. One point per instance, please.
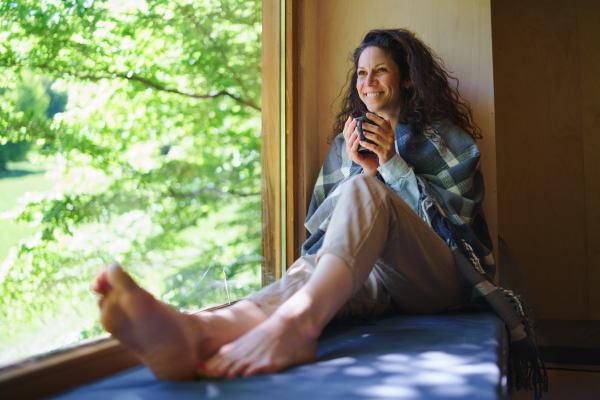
(393, 116)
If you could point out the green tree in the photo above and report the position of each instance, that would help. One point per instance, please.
(162, 130)
(28, 96)
(34, 96)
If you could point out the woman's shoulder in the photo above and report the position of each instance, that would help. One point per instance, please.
(339, 142)
(454, 137)
(450, 129)
(339, 138)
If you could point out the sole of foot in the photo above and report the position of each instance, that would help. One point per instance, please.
(166, 340)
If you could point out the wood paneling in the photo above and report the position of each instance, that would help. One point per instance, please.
(540, 145)
(459, 31)
(271, 142)
(293, 175)
(588, 33)
(307, 135)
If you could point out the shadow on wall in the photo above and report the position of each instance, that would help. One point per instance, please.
(513, 277)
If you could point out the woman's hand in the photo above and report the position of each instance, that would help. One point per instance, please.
(383, 135)
(367, 161)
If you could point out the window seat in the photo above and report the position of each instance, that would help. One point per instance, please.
(403, 357)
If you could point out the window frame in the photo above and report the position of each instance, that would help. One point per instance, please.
(49, 374)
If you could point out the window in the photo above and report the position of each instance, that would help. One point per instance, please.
(138, 125)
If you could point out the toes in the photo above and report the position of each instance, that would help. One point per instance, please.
(259, 369)
(100, 285)
(120, 279)
(238, 369)
(203, 372)
(96, 288)
(220, 364)
(213, 366)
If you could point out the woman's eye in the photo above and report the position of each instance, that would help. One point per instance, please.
(382, 70)
(361, 72)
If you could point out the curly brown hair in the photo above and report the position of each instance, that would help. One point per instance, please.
(429, 99)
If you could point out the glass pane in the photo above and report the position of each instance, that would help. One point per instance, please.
(130, 132)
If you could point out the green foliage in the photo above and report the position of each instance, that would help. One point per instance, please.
(161, 131)
(13, 152)
(29, 95)
(33, 96)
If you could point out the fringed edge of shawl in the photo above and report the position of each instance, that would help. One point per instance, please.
(525, 368)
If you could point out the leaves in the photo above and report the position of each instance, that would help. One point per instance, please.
(161, 131)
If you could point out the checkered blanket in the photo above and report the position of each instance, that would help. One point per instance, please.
(450, 189)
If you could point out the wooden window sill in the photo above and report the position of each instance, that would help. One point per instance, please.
(48, 374)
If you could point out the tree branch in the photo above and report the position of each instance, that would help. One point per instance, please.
(201, 29)
(215, 191)
(155, 86)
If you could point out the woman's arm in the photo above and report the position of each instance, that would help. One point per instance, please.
(401, 178)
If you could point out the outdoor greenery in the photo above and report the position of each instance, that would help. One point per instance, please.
(146, 114)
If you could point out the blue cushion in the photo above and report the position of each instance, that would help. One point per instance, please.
(402, 357)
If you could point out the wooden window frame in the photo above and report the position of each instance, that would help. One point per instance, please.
(49, 374)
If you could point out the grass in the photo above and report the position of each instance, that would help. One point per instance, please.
(21, 177)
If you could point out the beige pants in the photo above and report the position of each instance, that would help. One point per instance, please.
(398, 262)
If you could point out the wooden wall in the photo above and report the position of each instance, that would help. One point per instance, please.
(459, 31)
(546, 75)
(271, 142)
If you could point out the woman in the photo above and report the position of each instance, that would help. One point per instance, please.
(399, 230)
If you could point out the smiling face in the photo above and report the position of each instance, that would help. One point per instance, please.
(379, 83)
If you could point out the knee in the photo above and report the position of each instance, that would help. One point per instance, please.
(366, 183)
(362, 180)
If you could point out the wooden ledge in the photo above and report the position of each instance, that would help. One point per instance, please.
(36, 378)
(48, 374)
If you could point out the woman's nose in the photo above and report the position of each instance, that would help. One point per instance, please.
(371, 79)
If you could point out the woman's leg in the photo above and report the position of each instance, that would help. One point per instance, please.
(173, 344)
(368, 221)
(289, 336)
(371, 225)
(365, 223)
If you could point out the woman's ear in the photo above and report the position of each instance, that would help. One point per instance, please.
(406, 83)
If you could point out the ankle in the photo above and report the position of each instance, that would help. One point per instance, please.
(203, 339)
(305, 324)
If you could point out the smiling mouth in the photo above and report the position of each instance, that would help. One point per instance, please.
(370, 95)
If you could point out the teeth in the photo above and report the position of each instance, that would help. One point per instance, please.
(373, 94)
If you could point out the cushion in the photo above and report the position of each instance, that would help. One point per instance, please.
(402, 357)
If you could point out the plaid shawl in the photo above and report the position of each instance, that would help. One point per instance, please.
(445, 161)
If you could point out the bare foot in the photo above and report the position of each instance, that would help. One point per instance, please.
(272, 346)
(167, 341)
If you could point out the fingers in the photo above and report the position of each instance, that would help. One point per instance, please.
(382, 127)
(374, 148)
(352, 145)
(354, 154)
(380, 121)
(382, 135)
(384, 142)
(349, 127)
(349, 131)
